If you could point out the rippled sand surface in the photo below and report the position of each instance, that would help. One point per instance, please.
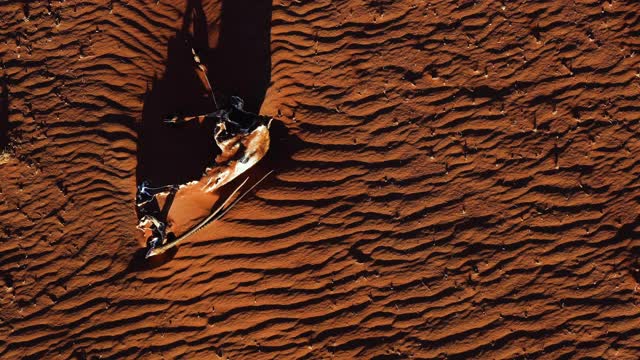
(454, 179)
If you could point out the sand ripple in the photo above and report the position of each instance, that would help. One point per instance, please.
(458, 180)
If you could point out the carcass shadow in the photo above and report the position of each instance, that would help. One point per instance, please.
(240, 65)
(175, 154)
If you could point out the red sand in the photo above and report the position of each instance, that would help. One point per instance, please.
(452, 180)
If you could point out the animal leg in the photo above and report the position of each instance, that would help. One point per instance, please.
(203, 76)
(176, 119)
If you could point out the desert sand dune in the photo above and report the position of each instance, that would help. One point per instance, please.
(452, 180)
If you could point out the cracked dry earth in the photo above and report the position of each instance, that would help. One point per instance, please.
(457, 179)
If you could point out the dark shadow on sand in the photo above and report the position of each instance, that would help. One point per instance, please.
(240, 65)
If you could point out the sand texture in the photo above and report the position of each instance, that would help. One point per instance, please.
(452, 180)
